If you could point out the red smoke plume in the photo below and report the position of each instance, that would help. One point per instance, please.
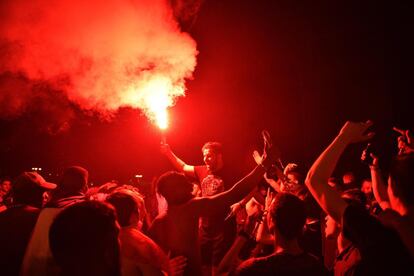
(103, 54)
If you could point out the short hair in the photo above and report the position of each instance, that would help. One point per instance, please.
(74, 181)
(215, 147)
(126, 202)
(84, 239)
(402, 174)
(354, 196)
(175, 187)
(288, 214)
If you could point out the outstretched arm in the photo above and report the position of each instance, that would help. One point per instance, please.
(234, 194)
(178, 164)
(318, 175)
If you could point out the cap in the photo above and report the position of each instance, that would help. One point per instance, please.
(31, 180)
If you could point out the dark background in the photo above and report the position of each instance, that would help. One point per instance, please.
(297, 68)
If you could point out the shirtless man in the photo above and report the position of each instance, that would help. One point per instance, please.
(177, 230)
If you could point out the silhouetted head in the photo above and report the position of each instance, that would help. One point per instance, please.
(175, 187)
(74, 181)
(84, 239)
(352, 196)
(287, 216)
(129, 207)
(29, 188)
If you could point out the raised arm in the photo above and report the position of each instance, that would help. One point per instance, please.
(379, 188)
(178, 164)
(275, 184)
(318, 175)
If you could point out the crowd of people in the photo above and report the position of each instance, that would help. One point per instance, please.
(277, 220)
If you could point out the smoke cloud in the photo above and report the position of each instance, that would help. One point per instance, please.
(102, 55)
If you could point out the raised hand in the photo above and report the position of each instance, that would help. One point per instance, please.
(257, 157)
(405, 141)
(236, 207)
(353, 132)
(165, 148)
(177, 265)
(269, 199)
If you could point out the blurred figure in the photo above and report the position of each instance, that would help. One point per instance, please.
(286, 219)
(340, 254)
(334, 183)
(5, 187)
(349, 181)
(18, 221)
(71, 189)
(138, 252)
(83, 239)
(366, 187)
(404, 141)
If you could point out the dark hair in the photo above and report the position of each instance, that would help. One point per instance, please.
(175, 187)
(26, 191)
(84, 239)
(288, 214)
(215, 147)
(74, 181)
(125, 204)
(354, 196)
(402, 174)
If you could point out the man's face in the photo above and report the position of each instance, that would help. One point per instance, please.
(212, 160)
(366, 187)
(5, 186)
(348, 178)
(292, 177)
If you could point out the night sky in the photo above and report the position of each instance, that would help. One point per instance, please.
(297, 68)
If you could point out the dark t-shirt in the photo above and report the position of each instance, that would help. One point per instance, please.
(282, 264)
(347, 261)
(16, 226)
(212, 184)
(382, 251)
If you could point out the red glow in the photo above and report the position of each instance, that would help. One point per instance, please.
(102, 54)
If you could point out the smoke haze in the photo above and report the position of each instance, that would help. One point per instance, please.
(102, 55)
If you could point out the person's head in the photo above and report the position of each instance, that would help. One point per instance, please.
(29, 188)
(287, 216)
(83, 239)
(175, 188)
(401, 182)
(74, 181)
(293, 173)
(333, 182)
(351, 196)
(212, 155)
(348, 178)
(5, 185)
(366, 187)
(129, 207)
